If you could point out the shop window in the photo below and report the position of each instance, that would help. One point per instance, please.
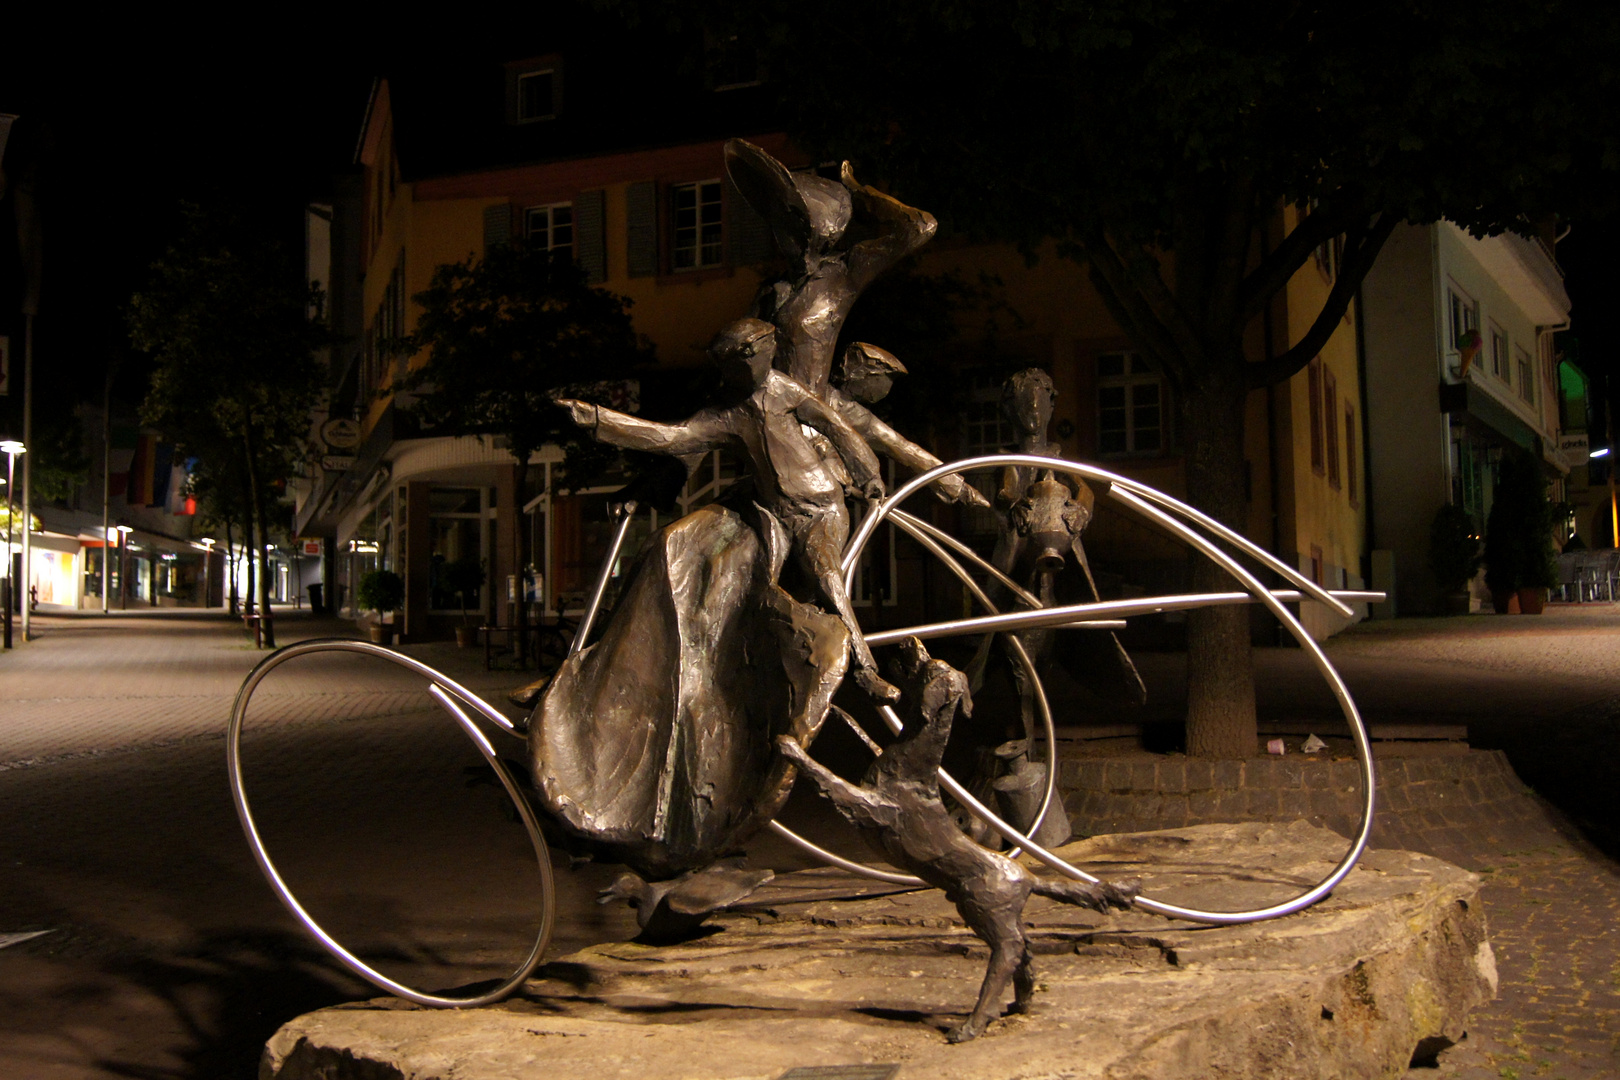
(1130, 406)
(550, 228)
(697, 226)
(456, 532)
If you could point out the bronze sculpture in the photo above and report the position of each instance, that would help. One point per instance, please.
(898, 809)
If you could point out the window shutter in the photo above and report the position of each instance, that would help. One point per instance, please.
(590, 241)
(641, 212)
(748, 236)
(497, 226)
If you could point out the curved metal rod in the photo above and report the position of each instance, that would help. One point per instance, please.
(904, 519)
(1082, 616)
(627, 513)
(839, 861)
(870, 522)
(1126, 491)
(366, 648)
(446, 693)
(1024, 660)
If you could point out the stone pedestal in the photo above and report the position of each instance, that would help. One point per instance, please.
(1387, 967)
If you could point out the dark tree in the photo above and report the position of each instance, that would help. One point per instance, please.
(503, 336)
(1158, 141)
(225, 316)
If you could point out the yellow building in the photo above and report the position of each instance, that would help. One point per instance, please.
(646, 210)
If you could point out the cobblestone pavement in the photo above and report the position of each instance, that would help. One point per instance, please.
(169, 957)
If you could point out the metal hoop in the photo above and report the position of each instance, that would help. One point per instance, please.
(1151, 504)
(452, 696)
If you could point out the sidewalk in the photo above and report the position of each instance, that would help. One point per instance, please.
(169, 956)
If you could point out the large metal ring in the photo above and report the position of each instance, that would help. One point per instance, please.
(453, 696)
(1152, 505)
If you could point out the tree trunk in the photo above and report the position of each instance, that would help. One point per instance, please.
(1220, 666)
(267, 623)
(520, 557)
(230, 564)
(249, 603)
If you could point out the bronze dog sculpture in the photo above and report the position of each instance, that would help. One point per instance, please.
(898, 808)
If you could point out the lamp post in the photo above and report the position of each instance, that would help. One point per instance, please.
(1614, 521)
(11, 448)
(123, 566)
(208, 558)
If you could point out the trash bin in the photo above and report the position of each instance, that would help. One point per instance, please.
(315, 605)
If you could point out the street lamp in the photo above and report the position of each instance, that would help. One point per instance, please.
(11, 448)
(208, 543)
(123, 566)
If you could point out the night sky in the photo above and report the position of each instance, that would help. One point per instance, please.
(134, 129)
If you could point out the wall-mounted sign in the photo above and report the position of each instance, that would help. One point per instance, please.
(337, 462)
(1572, 444)
(312, 547)
(341, 434)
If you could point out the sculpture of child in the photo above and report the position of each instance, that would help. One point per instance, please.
(767, 424)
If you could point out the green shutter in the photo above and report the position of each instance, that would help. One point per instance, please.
(497, 226)
(748, 237)
(590, 240)
(641, 213)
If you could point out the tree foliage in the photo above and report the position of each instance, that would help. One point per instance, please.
(505, 334)
(1158, 142)
(225, 317)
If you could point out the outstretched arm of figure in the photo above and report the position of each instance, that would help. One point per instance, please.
(705, 431)
(858, 457)
(861, 805)
(889, 441)
(897, 230)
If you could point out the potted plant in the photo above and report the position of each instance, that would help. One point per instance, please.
(382, 591)
(1520, 563)
(464, 577)
(1453, 556)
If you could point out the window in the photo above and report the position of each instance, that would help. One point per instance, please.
(1316, 564)
(1329, 255)
(1499, 354)
(536, 96)
(1350, 459)
(456, 534)
(1130, 406)
(1313, 388)
(695, 217)
(1330, 429)
(550, 228)
(1464, 317)
(1527, 375)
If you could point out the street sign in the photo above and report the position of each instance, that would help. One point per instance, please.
(341, 434)
(337, 462)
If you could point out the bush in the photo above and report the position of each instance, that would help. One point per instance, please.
(381, 591)
(1454, 555)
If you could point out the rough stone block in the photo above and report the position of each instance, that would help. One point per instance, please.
(1228, 775)
(1200, 775)
(1173, 775)
(1349, 988)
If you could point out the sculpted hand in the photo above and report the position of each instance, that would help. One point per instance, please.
(954, 489)
(580, 412)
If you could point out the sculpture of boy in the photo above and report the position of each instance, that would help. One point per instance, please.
(791, 480)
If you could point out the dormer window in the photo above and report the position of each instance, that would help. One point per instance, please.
(533, 91)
